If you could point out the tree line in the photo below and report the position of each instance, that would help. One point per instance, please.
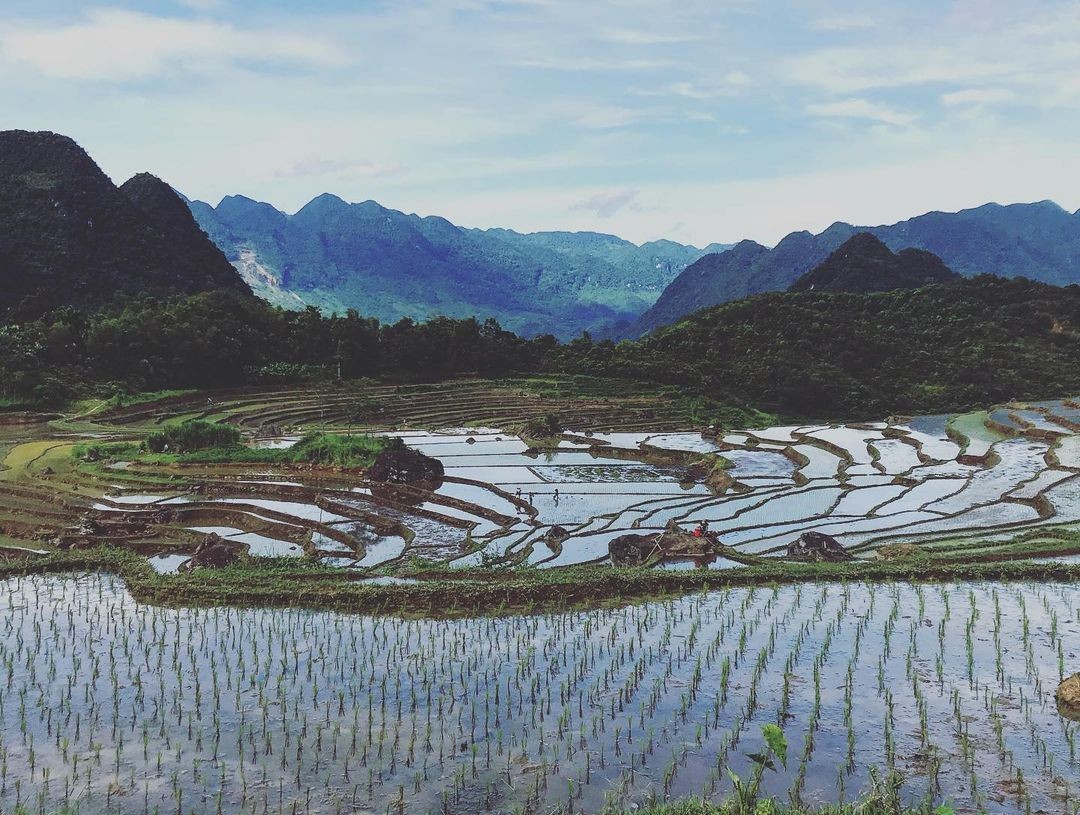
(219, 339)
(805, 355)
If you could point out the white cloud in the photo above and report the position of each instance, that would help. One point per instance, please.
(843, 22)
(607, 204)
(629, 36)
(606, 118)
(201, 5)
(1029, 49)
(703, 88)
(315, 166)
(863, 109)
(573, 64)
(978, 96)
(112, 44)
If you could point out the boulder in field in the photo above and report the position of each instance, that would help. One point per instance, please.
(1068, 697)
(400, 465)
(557, 534)
(817, 547)
(214, 552)
(632, 550)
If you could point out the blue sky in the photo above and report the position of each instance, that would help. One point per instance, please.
(697, 120)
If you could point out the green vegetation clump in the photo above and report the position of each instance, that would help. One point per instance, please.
(105, 451)
(339, 451)
(442, 591)
(191, 436)
(200, 442)
(543, 427)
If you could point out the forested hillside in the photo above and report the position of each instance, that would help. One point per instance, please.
(979, 341)
(69, 236)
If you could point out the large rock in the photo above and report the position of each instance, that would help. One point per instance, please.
(401, 465)
(1068, 697)
(632, 550)
(214, 552)
(673, 542)
(816, 547)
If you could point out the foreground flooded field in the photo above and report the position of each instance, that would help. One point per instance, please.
(111, 706)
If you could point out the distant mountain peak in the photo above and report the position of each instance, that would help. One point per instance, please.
(863, 263)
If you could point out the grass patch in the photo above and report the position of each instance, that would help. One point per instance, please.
(192, 436)
(196, 441)
(13, 403)
(123, 399)
(327, 449)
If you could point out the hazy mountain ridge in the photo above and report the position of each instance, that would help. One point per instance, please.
(1040, 241)
(69, 236)
(390, 265)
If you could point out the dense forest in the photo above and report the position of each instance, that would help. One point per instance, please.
(798, 354)
(221, 339)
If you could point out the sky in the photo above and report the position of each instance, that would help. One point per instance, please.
(694, 120)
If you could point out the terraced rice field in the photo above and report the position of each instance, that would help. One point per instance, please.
(946, 483)
(111, 706)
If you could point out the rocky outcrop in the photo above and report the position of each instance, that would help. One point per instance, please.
(400, 465)
(673, 542)
(817, 547)
(215, 552)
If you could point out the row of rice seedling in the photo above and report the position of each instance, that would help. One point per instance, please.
(111, 706)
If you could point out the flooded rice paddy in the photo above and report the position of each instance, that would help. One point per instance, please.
(111, 706)
(923, 479)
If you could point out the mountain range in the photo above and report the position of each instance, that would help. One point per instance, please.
(69, 236)
(1040, 241)
(387, 264)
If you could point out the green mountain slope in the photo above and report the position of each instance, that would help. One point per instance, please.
(978, 341)
(390, 265)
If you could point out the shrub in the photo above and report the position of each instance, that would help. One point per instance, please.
(542, 427)
(342, 451)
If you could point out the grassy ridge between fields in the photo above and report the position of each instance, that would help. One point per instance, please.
(196, 441)
(288, 582)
